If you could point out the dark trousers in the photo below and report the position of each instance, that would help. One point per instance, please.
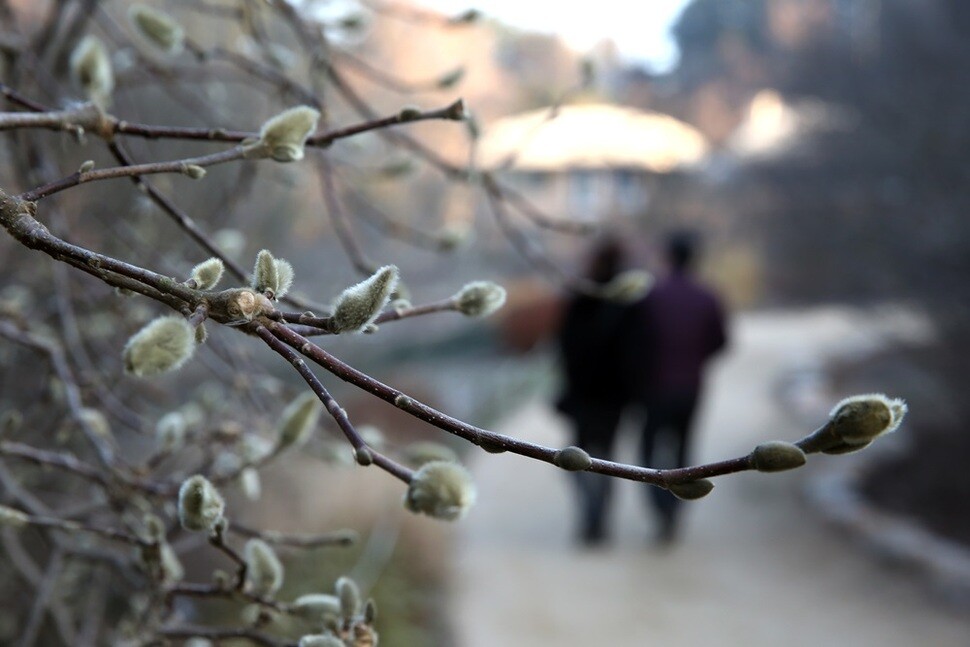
(668, 426)
(595, 426)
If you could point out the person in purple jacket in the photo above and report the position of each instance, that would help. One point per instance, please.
(683, 326)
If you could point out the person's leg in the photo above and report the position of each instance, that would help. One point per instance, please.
(679, 415)
(682, 420)
(658, 426)
(597, 429)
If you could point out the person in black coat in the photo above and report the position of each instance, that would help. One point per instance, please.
(594, 340)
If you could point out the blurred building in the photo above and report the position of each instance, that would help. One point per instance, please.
(589, 162)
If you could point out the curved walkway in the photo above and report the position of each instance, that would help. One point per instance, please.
(755, 567)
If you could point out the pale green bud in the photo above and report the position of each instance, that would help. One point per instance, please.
(172, 570)
(297, 420)
(96, 423)
(861, 418)
(201, 334)
(426, 451)
(692, 489)
(207, 273)
(284, 278)
(628, 286)
(284, 136)
(250, 484)
(200, 504)
(193, 171)
(359, 305)
(573, 459)
(479, 298)
(13, 517)
(321, 640)
(154, 528)
(265, 278)
(318, 609)
(170, 431)
(157, 27)
(349, 596)
(777, 456)
(198, 642)
(264, 571)
(87, 165)
(441, 489)
(364, 456)
(91, 69)
(409, 113)
(163, 345)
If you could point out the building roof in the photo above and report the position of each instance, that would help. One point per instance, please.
(591, 136)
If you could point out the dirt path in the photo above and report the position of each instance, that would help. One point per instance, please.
(755, 567)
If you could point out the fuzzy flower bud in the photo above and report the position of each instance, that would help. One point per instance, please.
(264, 571)
(13, 517)
(479, 298)
(250, 483)
(171, 569)
(692, 489)
(96, 422)
(158, 28)
(861, 418)
(359, 305)
(349, 596)
(441, 489)
(200, 504)
(284, 136)
(318, 609)
(777, 456)
(207, 273)
(628, 286)
(854, 423)
(297, 420)
(91, 69)
(163, 345)
(321, 640)
(193, 171)
(572, 459)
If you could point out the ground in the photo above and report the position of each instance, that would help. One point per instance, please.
(755, 567)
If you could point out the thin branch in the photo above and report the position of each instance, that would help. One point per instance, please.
(175, 166)
(333, 538)
(42, 598)
(364, 453)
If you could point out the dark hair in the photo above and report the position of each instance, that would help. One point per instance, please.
(606, 260)
(681, 249)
